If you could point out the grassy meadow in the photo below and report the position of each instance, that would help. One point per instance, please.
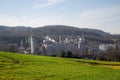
(15, 66)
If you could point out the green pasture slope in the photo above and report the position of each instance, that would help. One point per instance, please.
(32, 67)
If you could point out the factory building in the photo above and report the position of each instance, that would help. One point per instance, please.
(28, 46)
(54, 48)
(105, 47)
(51, 47)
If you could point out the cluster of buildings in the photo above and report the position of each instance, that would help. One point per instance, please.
(51, 47)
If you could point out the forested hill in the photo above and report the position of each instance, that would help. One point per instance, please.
(15, 34)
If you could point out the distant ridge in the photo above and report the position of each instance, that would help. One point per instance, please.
(15, 34)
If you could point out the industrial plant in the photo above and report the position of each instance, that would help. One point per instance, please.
(51, 47)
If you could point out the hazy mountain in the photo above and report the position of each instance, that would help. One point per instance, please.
(15, 34)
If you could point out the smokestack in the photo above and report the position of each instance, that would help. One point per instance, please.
(60, 41)
(32, 44)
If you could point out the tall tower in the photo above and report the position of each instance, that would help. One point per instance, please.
(81, 45)
(32, 44)
(22, 44)
(81, 41)
(60, 41)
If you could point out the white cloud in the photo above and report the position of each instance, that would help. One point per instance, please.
(106, 19)
(34, 21)
(101, 18)
(99, 15)
(47, 3)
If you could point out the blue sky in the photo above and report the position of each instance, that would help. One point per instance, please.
(96, 14)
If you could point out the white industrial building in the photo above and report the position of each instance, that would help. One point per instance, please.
(105, 47)
(54, 48)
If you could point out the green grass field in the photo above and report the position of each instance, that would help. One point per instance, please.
(32, 67)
